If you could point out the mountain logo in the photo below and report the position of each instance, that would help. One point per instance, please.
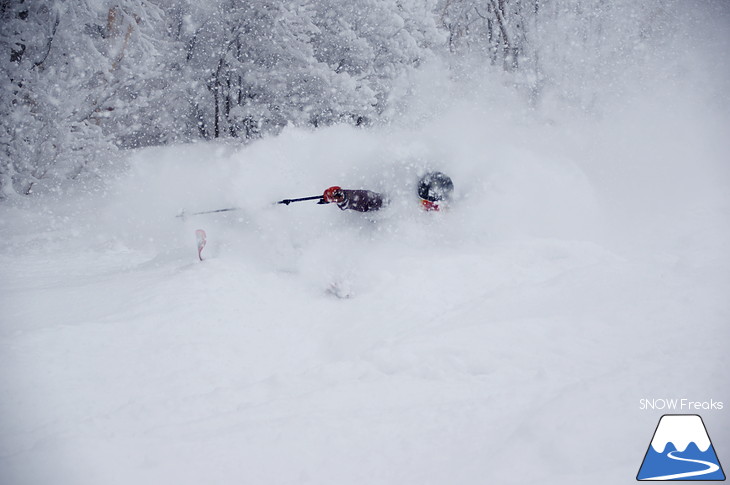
(681, 450)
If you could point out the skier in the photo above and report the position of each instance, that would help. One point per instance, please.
(434, 190)
(357, 200)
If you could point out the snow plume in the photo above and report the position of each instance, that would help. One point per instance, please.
(582, 265)
(581, 259)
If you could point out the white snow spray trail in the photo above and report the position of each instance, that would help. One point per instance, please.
(711, 468)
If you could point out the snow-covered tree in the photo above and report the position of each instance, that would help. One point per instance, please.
(83, 78)
(495, 29)
(77, 80)
(257, 66)
(563, 49)
(374, 42)
(252, 70)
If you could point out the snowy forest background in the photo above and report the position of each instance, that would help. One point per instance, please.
(84, 79)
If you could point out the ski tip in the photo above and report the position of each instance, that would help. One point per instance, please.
(201, 239)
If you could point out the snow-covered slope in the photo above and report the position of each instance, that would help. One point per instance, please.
(490, 343)
(583, 266)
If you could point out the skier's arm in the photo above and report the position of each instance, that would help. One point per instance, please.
(357, 200)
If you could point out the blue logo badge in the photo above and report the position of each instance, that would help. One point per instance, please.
(681, 450)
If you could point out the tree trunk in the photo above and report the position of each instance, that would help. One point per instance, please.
(216, 100)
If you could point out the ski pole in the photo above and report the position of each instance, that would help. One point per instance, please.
(227, 209)
(289, 201)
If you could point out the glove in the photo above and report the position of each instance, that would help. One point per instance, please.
(333, 194)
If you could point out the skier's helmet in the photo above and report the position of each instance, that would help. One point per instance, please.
(434, 188)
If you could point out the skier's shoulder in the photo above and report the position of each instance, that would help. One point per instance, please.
(362, 200)
(362, 194)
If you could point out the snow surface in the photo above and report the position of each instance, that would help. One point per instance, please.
(583, 266)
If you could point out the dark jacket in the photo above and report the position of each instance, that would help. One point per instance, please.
(362, 200)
